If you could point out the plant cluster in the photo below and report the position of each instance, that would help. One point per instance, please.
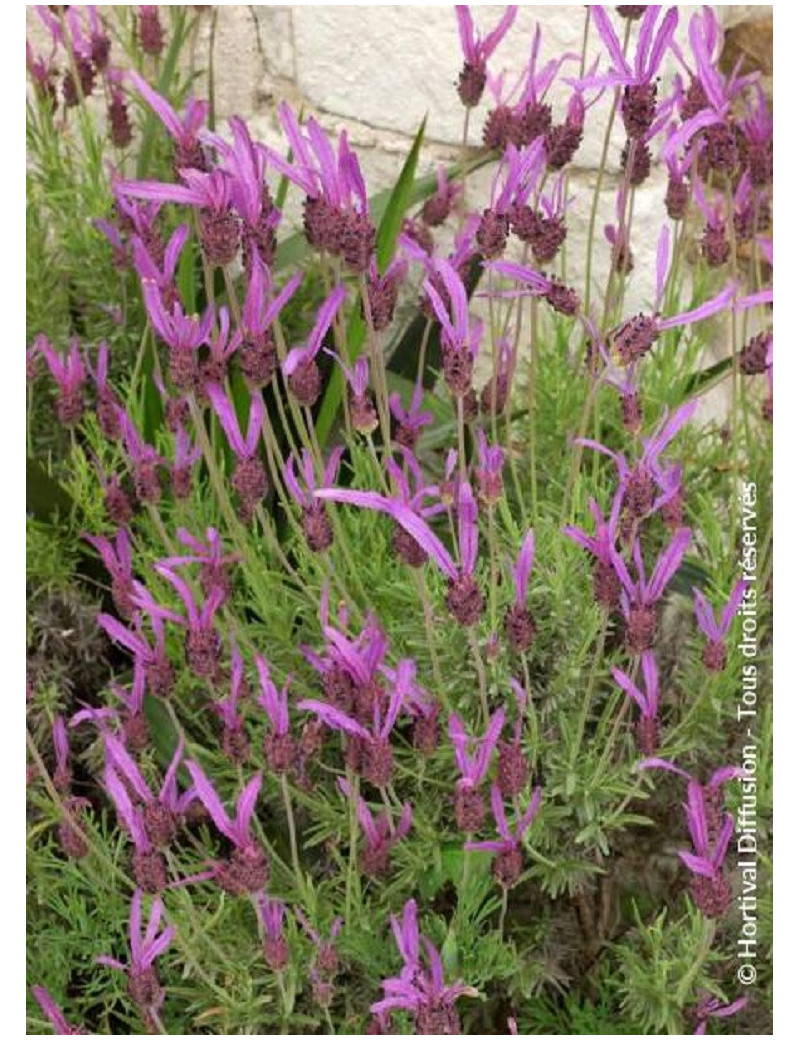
(410, 594)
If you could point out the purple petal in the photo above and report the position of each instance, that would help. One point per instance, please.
(211, 800)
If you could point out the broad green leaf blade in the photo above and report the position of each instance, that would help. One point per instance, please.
(400, 199)
(44, 496)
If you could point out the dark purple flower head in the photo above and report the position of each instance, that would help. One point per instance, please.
(151, 661)
(118, 562)
(210, 554)
(507, 847)
(162, 271)
(227, 708)
(184, 132)
(300, 367)
(272, 913)
(419, 989)
(380, 834)
(489, 470)
(168, 795)
(651, 48)
(69, 373)
(437, 208)
(458, 335)
(477, 50)
(143, 985)
(710, 830)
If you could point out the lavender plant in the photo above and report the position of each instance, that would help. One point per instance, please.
(408, 552)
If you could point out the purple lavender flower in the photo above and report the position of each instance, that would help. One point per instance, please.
(188, 151)
(135, 727)
(250, 479)
(520, 628)
(380, 834)
(489, 470)
(363, 414)
(603, 547)
(418, 989)
(407, 511)
(62, 775)
(638, 101)
(648, 732)
(300, 367)
(186, 454)
(507, 865)
(714, 653)
(210, 554)
(326, 958)
(107, 400)
(245, 161)
(409, 422)
(235, 743)
(473, 766)
(635, 336)
(163, 273)
(118, 562)
(148, 864)
(438, 206)
(464, 599)
(149, 29)
(639, 597)
(144, 460)
(150, 661)
(515, 178)
(560, 297)
(247, 869)
(69, 374)
(710, 829)
(144, 988)
(711, 1007)
(513, 768)
(54, 1014)
(279, 746)
(369, 750)
(315, 523)
(477, 51)
(271, 913)
(258, 357)
(460, 340)
(183, 334)
(641, 481)
(203, 643)
(336, 211)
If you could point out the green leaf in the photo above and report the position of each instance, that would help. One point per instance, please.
(691, 574)
(702, 381)
(44, 496)
(400, 199)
